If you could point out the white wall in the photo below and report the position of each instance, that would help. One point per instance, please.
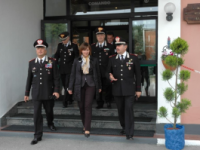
(165, 29)
(19, 28)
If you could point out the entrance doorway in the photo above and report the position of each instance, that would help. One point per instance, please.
(84, 30)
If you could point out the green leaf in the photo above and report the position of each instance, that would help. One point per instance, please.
(180, 61)
(162, 112)
(175, 112)
(179, 46)
(184, 75)
(181, 88)
(172, 61)
(184, 105)
(169, 94)
(167, 74)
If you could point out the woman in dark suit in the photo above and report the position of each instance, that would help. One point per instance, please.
(85, 83)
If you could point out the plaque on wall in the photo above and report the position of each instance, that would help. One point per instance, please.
(191, 13)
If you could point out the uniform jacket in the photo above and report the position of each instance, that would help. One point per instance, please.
(66, 56)
(75, 82)
(44, 79)
(102, 55)
(127, 74)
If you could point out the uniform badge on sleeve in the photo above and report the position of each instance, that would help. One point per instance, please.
(49, 65)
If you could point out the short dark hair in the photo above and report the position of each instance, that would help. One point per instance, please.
(110, 33)
(84, 46)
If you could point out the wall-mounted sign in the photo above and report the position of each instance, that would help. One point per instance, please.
(192, 13)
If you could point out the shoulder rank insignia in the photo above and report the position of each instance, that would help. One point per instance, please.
(112, 55)
(52, 58)
(134, 54)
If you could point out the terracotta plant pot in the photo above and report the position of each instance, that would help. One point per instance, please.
(167, 66)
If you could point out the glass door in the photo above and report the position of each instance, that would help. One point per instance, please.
(144, 44)
(50, 32)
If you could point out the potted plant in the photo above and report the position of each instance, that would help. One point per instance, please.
(164, 56)
(174, 133)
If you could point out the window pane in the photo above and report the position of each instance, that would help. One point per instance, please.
(52, 30)
(145, 5)
(55, 8)
(144, 39)
(91, 7)
(146, 9)
(148, 80)
(116, 22)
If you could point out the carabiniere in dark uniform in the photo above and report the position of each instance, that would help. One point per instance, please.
(126, 70)
(102, 53)
(43, 77)
(66, 53)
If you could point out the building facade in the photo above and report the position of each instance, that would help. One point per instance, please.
(141, 22)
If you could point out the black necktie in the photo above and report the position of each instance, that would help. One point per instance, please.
(100, 46)
(41, 62)
(122, 58)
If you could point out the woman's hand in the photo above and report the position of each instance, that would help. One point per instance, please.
(70, 92)
(99, 90)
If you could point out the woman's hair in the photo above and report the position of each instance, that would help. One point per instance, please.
(84, 46)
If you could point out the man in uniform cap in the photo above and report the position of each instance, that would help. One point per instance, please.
(124, 72)
(111, 39)
(43, 77)
(66, 52)
(102, 50)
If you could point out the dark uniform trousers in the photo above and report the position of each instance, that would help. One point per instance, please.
(125, 111)
(65, 83)
(44, 80)
(102, 54)
(127, 73)
(66, 56)
(38, 118)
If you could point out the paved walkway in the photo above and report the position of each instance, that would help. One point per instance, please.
(21, 141)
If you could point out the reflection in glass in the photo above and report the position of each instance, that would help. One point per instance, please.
(148, 80)
(91, 7)
(55, 8)
(52, 30)
(116, 22)
(146, 9)
(144, 39)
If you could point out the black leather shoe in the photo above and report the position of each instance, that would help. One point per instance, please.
(131, 137)
(122, 132)
(108, 105)
(99, 107)
(52, 128)
(36, 140)
(128, 137)
(87, 135)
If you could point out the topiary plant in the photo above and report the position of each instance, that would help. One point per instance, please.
(179, 47)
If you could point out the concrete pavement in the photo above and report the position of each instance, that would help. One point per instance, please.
(21, 141)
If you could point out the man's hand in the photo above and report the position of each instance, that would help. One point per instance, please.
(99, 90)
(138, 94)
(26, 98)
(56, 94)
(112, 78)
(70, 92)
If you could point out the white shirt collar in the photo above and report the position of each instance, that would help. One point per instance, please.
(42, 59)
(102, 44)
(124, 55)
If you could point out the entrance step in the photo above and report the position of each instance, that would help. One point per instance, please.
(111, 122)
(140, 109)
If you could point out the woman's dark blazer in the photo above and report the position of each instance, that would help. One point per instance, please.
(76, 76)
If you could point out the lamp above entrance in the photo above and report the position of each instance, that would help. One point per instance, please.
(169, 9)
